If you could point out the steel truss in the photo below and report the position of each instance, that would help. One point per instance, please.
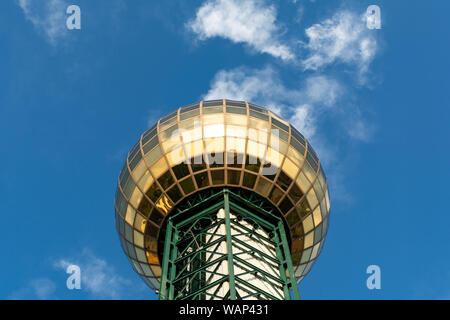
(226, 244)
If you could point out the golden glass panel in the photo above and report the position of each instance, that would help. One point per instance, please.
(218, 177)
(175, 194)
(236, 131)
(129, 216)
(312, 198)
(273, 115)
(318, 190)
(159, 168)
(275, 195)
(212, 119)
(308, 224)
(152, 258)
(153, 192)
(140, 223)
(278, 144)
(163, 204)
(151, 230)
(260, 136)
(215, 145)
(292, 218)
(150, 243)
(317, 217)
(263, 186)
(297, 231)
(309, 172)
(300, 270)
(171, 143)
(256, 149)
(176, 157)
(249, 180)
(290, 168)
(144, 208)
(236, 119)
(156, 270)
(315, 251)
(321, 177)
(194, 149)
(146, 181)
(139, 239)
(274, 157)
(214, 130)
(187, 185)
(145, 267)
(139, 171)
(189, 124)
(303, 208)
(233, 177)
(156, 217)
(136, 197)
(235, 144)
(153, 155)
(167, 124)
(192, 134)
(309, 240)
(210, 110)
(202, 179)
(297, 245)
(323, 207)
(189, 114)
(303, 183)
(295, 156)
(259, 125)
(137, 267)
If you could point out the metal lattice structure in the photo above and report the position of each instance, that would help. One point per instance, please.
(226, 246)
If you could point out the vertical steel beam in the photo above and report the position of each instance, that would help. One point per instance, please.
(229, 245)
(165, 264)
(173, 269)
(281, 260)
(288, 258)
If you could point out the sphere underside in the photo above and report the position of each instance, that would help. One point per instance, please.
(216, 144)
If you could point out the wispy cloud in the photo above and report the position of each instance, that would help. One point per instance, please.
(342, 38)
(242, 21)
(40, 289)
(98, 277)
(47, 17)
(301, 105)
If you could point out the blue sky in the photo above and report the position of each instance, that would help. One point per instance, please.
(374, 103)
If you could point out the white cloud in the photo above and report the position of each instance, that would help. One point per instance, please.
(304, 120)
(97, 276)
(302, 105)
(342, 38)
(48, 18)
(40, 289)
(258, 86)
(241, 21)
(323, 90)
(359, 129)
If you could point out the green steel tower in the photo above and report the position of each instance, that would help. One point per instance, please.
(222, 200)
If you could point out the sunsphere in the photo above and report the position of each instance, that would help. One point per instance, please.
(220, 145)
